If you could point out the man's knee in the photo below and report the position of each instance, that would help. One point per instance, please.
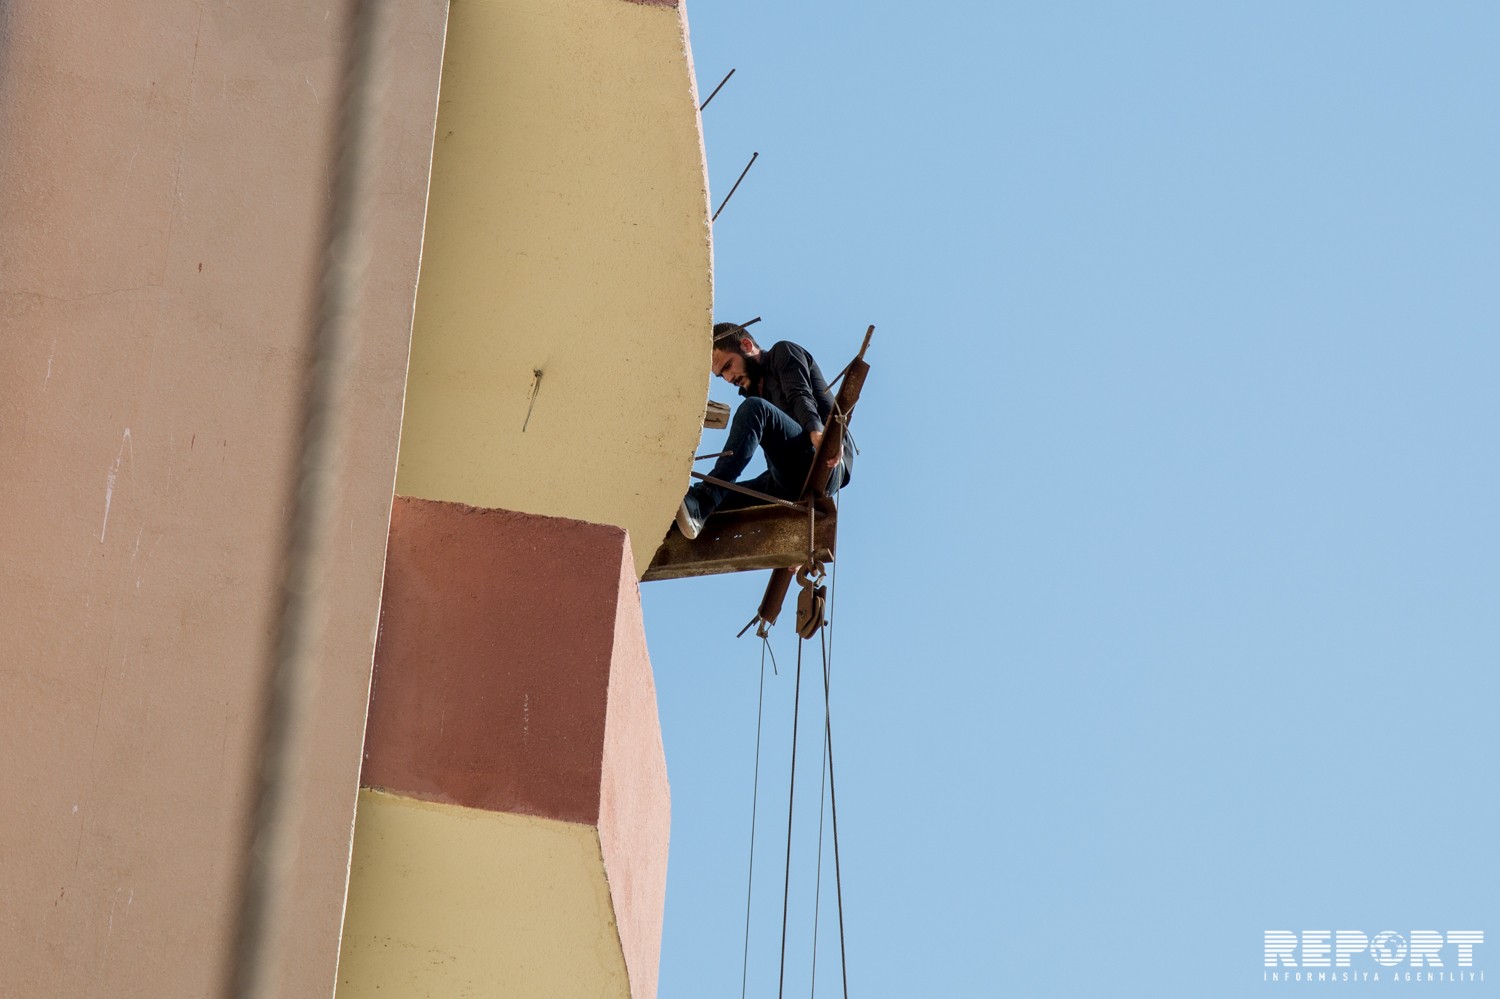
(754, 408)
(753, 415)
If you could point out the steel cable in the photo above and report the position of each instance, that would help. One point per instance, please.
(833, 808)
(818, 877)
(786, 888)
(833, 592)
(754, 805)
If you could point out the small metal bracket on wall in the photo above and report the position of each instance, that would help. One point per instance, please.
(536, 386)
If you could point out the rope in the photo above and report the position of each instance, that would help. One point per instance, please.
(754, 806)
(786, 888)
(833, 579)
(842, 418)
(833, 803)
(833, 592)
(818, 878)
(270, 845)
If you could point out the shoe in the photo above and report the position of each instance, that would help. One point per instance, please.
(689, 519)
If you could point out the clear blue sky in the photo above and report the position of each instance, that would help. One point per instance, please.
(1170, 576)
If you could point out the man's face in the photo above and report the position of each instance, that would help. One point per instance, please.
(732, 368)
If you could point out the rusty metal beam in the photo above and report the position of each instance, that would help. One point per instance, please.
(757, 537)
(746, 491)
(817, 478)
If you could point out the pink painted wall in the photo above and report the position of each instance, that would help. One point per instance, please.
(512, 675)
(635, 814)
(166, 169)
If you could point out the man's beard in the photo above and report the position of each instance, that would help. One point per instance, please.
(753, 371)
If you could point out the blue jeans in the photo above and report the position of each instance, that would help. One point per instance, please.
(788, 451)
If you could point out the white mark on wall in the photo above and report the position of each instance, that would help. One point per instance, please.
(308, 81)
(52, 353)
(75, 809)
(129, 167)
(109, 483)
(525, 715)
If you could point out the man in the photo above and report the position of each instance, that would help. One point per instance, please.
(787, 406)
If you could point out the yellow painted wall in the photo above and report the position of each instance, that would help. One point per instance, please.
(567, 231)
(458, 902)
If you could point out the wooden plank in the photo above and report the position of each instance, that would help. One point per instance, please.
(757, 537)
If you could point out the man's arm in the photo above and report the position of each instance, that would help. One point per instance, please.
(833, 459)
(789, 363)
(794, 373)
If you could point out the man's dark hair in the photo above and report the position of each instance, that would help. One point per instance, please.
(728, 336)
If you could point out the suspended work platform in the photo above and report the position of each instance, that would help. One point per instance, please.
(790, 539)
(756, 537)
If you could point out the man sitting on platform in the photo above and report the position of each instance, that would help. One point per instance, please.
(787, 406)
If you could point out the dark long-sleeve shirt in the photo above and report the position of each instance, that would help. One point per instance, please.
(791, 381)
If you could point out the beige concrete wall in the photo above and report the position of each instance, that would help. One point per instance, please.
(166, 169)
(567, 233)
(469, 904)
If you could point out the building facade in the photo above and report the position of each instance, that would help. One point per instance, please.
(525, 391)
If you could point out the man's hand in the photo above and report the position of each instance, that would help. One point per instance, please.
(817, 438)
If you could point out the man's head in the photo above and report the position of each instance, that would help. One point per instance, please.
(736, 355)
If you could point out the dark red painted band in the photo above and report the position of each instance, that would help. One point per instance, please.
(493, 661)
